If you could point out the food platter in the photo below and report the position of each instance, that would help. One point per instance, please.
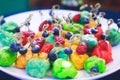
(35, 22)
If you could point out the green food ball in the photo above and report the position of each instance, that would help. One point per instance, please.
(113, 36)
(7, 57)
(65, 26)
(75, 28)
(9, 26)
(50, 39)
(6, 38)
(37, 67)
(63, 69)
(91, 41)
(60, 53)
(95, 62)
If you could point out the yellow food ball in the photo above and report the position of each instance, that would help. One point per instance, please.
(35, 55)
(76, 42)
(43, 55)
(73, 47)
(23, 59)
(78, 60)
(66, 43)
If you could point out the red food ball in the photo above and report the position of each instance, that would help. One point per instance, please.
(103, 50)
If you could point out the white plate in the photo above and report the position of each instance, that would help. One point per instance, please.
(35, 22)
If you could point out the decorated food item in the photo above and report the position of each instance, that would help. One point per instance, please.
(23, 59)
(9, 26)
(63, 69)
(6, 38)
(78, 60)
(90, 40)
(37, 67)
(95, 65)
(7, 57)
(113, 36)
(103, 50)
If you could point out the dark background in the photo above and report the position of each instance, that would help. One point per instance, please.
(8, 7)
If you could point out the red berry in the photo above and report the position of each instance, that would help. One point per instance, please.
(40, 41)
(82, 48)
(50, 27)
(28, 33)
(59, 40)
(99, 33)
(24, 40)
(42, 24)
(86, 30)
(47, 48)
(76, 17)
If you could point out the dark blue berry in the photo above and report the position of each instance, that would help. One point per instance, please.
(45, 34)
(68, 35)
(17, 29)
(94, 31)
(99, 25)
(86, 21)
(35, 49)
(14, 47)
(2, 22)
(94, 69)
(68, 51)
(103, 36)
(118, 24)
(22, 50)
(52, 56)
(94, 16)
(51, 13)
(50, 22)
(56, 31)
